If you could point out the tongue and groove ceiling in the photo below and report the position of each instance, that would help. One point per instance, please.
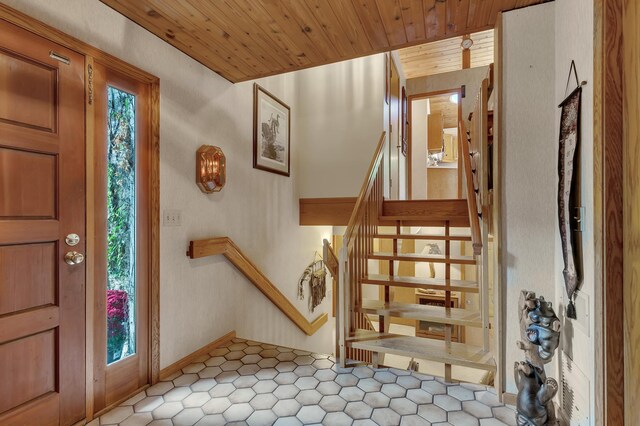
(247, 39)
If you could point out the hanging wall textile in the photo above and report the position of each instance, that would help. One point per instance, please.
(569, 189)
(316, 275)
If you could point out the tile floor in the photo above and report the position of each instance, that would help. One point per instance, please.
(251, 383)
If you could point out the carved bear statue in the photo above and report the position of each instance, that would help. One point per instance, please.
(544, 329)
(535, 392)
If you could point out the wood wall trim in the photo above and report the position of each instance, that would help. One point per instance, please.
(608, 212)
(454, 210)
(631, 212)
(225, 246)
(189, 359)
(326, 211)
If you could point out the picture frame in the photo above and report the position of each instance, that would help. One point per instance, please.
(271, 133)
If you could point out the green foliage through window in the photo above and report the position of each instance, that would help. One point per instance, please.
(121, 225)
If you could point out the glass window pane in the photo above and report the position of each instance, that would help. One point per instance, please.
(121, 226)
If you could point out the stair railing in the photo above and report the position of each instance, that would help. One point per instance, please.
(475, 154)
(357, 246)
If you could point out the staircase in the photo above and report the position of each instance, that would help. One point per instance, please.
(360, 258)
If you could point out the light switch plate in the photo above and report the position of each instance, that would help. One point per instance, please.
(172, 217)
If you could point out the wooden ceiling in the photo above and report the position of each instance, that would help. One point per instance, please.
(446, 55)
(246, 39)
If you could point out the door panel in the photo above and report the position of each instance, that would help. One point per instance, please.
(42, 199)
(394, 132)
(26, 174)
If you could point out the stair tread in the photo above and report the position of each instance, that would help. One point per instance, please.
(422, 348)
(421, 282)
(437, 314)
(423, 237)
(435, 258)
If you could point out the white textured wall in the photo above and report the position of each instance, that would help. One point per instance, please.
(419, 112)
(529, 178)
(574, 40)
(340, 114)
(204, 299)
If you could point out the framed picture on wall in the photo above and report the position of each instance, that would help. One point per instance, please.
(271, 132)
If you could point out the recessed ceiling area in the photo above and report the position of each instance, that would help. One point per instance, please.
(449, 110)
(247, 39)
(446, 55)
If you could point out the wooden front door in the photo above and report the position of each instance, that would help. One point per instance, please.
(42, 201)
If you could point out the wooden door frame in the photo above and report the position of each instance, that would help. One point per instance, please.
(415, 97)
(92, 55)
(608, 212)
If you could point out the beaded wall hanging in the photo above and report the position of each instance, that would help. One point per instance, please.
(316, 275)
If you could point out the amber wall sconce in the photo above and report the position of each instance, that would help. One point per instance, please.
(210, 169)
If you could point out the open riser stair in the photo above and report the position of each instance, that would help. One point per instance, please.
(383, 237)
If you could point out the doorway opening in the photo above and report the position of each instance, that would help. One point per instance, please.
(434, 140)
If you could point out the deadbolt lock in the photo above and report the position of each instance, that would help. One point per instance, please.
(72, 239)
(73, 258)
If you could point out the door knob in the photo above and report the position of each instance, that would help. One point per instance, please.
(73, 258)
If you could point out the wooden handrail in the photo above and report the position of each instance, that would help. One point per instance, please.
(368, 184)
(226, 247)
(472, 201)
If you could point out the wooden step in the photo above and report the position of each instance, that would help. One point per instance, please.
(423, 237)
(414, 257)
(423, 348)
(423, 283)
(437, 314)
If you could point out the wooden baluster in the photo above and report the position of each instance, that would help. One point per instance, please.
(447, 297)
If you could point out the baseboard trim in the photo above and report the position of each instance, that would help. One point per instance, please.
(509, 398)
(180, 364)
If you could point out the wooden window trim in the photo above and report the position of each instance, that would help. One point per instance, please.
(92, 55)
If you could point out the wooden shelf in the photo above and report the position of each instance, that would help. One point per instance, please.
(421, 348)
(440, 315)
(423, 283)
(414, 257)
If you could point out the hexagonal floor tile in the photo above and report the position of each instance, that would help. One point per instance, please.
(434, 387)
(286, 407)
(241, 395)
(408, 382)
(369, 385)
(234, 356)
(268, 363)
(460, 418)
(322, 363)
(286, 356)
(203, 385)
(307, 383)
(196, 399)
(505, 414)
(232, 365)
(337, 419)
(226, 376)
(461, 393)
(167, 410)
(403, 406)
(432, 413)
(351, 393)
(222, 389)
(286, 391)
(363, 372)
(262, 418)
(393, 390)
(287, 378)
(477, 409)
(193, 368)
(177, 394)
(385, 377)
(185, 380)
(251, 359)
(358, 410)
(331, 403)
(137, 419)
(447, 403)
(286, 366)
(238, 412)
(305, 370)
(188, 417)
(385, 417)
(210, 420)
(419, 396)
(309, 397)
(209, 372)
(216, 405)
(248, 369)
(324, 375)
(346, 380)
(414, 420)
(328, 388)
(304, 360)
(265, 386)
(116, 415)
(287, 421)
(266, 373)
(263, 401)
(245, 381)
(377, 400)
(160, 388)
(311, 414)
